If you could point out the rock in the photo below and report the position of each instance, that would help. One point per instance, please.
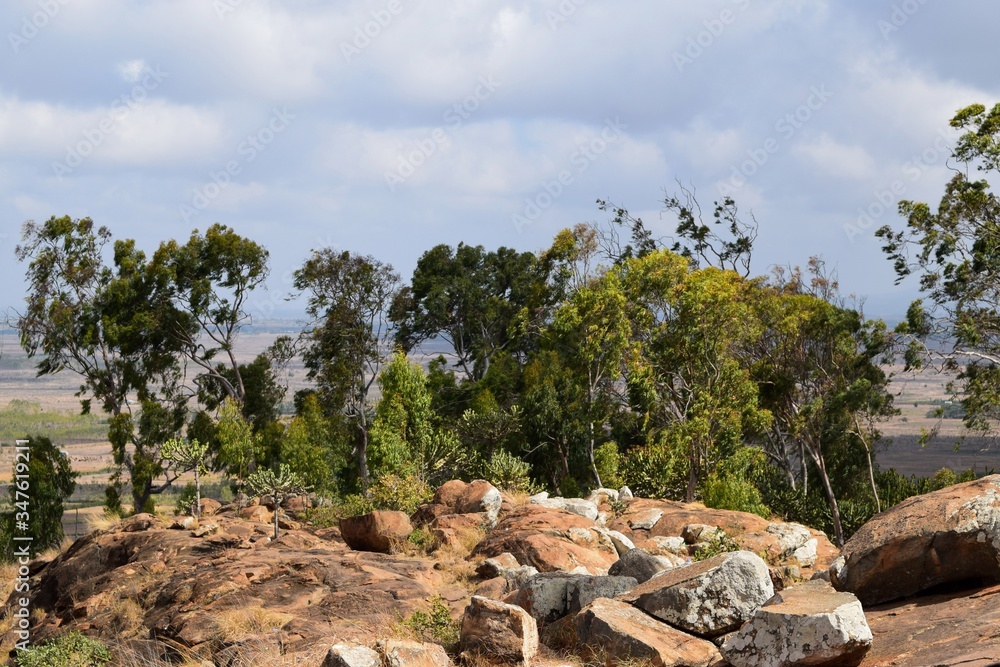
(496, 588)
(583, 590)
(810, 624)
(550, 540)
(674, 545)
(205, 529)
(425, 514)
(476, 497)
(341, 655)
(497, 566)
(946, 536)
(184, 523)
(138, 523)
(953, 629)
(378, 531)
(640, 565)
(458, 532)
(209, 506)
(625, 493)
(498, 631)
(545, 596)
(297, 503)
(614, 628)
(517, 576)
(578, 506)
(645, 520)
(676, 515)
(599, 496)
(621, 543)
(693, 533)
(258, 513)
(403, 653)
(707, 598)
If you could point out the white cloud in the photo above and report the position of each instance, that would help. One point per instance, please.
(132, 70)
(837, 159)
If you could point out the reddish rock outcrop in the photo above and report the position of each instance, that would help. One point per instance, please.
(551, 540)
(380, 531)
(947, 536)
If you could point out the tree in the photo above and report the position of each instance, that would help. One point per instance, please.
(279, 485)
(478, 302)
(44, 477)
(312, 448)
(688, 378)
(819, 369)
(187, 455)
(591, 332)
(955, 253)
(351, 337)
(240, 449)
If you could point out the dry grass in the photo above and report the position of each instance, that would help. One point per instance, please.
(518, 498)
(126, 616)
(239, 622)
(102, 522)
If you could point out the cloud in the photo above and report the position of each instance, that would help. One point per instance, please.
(836, 159)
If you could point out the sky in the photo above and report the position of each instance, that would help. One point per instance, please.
(385, 127)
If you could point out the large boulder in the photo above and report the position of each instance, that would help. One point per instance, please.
(344, 655)
(405, 653)
(472, 498)
(708, 598)
(498, 632)
(612, 627)
(647, 518)
(380, 531)
(642, 565)
(551, 540)
(584, 508)
(810, 624)
(584, 589)
(946, 536)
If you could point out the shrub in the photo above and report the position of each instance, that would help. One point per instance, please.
(185, 501)
(434, 625)
(608, 461)
(715, 543)
(71, 650)
(403, 493)
(507, 472)
(734, 485)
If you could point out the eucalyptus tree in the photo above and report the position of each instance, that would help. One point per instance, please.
(351, 336)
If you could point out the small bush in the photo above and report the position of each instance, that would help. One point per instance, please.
(434, 625)
(401, 493)
(185, 501)
(507, 472)
(715, 543)
(71, 650)
(608, 461)
(321, 517)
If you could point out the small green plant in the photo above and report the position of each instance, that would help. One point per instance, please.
(507, 472)
(608, 461)
(422, 539)
(186, 500)
(404, 493)
(618, 507)
(435, 624)
(713, 544)
(279, 485)
(321, 517)
(71, 650)
(354, 504)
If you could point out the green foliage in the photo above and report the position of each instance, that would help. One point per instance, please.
(278, 484)
(507, 472)
(434, 625)
(714, 543)
(187, 499)
(401, 493)
(608, 461)
(733, 486)
(655, 471)
(422, 539)
(70, 650)
(312, 449)
(239, 447)
(45, 481)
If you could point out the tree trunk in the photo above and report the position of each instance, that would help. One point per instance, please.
(593, 462)
(277, 507)
(197, 493)
(363, 455)
(831, 499)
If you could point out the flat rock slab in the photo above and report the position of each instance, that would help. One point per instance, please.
(708, 598)
(947, 536)
(612, 627)
(810, 624)
(947, 630)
